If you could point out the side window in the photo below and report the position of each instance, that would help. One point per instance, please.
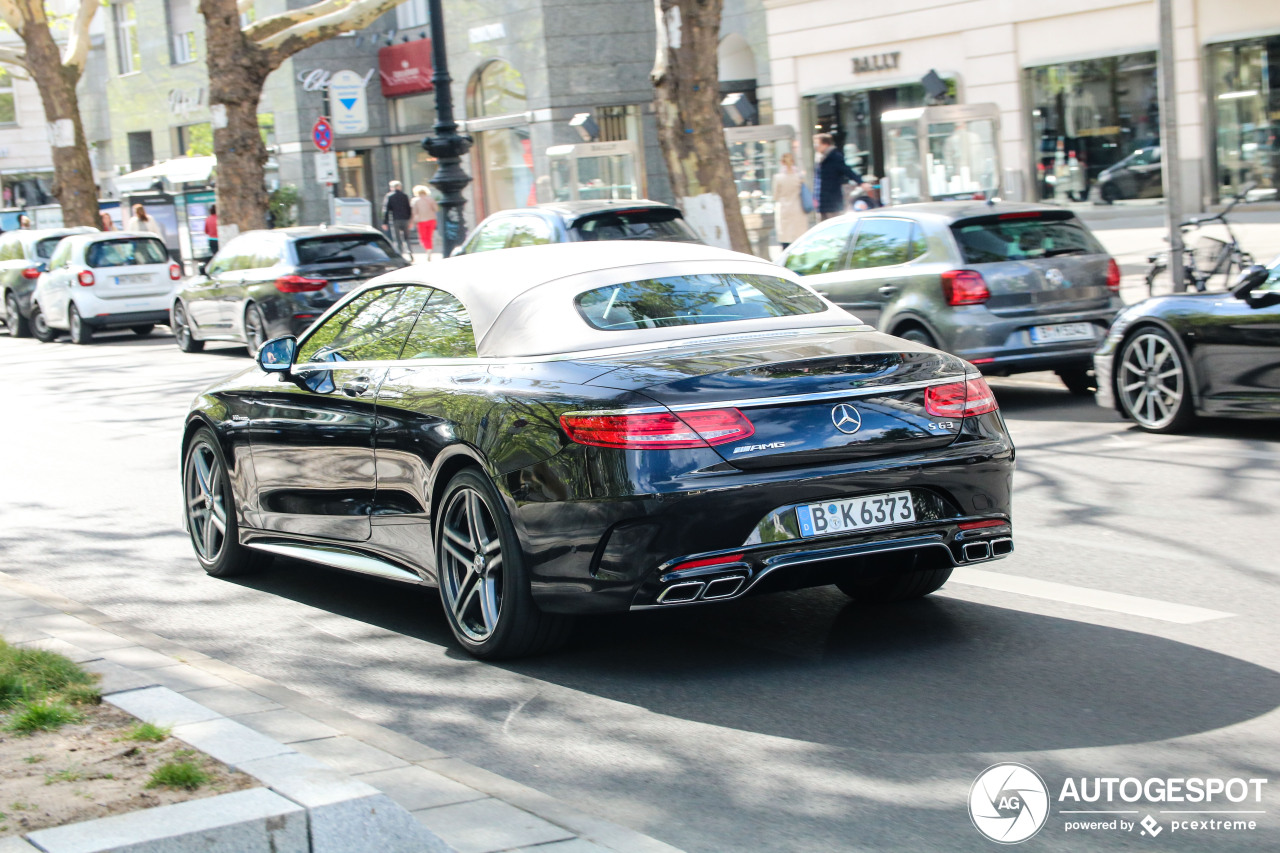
(821, 250)
(226, 257)
(493, 236)
(10, 248)
(372, 327)
(881, 243)
(443, 330)
(61, 255)
(530, 231)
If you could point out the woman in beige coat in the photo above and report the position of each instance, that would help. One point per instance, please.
(424, 214)
(789, 219)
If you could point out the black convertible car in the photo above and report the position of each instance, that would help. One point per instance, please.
(586, 428)
(1171, 358)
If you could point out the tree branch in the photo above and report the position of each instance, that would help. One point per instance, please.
(12, 15)
(314, 24)
(77, 50)
(17, 59)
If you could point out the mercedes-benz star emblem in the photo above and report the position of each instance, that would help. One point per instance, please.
(846, 418)
(356, 271)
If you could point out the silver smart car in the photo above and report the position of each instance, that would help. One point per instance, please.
(1010, 287)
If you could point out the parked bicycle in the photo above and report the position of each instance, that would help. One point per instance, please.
(1210, 256)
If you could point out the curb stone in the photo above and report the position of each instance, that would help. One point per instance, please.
(356, 786)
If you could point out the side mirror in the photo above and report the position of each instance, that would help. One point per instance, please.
(1248, 280)
(277, 354)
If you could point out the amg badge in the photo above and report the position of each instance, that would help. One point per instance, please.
(773, 445)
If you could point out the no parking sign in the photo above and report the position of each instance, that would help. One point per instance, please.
(322, 134)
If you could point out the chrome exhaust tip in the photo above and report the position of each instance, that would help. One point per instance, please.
(723, 587)
(1001, 547)
(681, 593)
(975, 551)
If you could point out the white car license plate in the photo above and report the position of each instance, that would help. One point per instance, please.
(133, 279)
(345, 286)
(855, 514)
(1062, 332)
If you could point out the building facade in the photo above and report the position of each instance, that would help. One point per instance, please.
(1075, 86)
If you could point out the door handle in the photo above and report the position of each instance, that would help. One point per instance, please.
(356, 387)
(888, 289)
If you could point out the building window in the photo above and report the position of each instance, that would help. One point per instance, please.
(412, 13)
(1096, 129)
(8, 108)
(141, 154)
(195, 140)
(414, 112)
(1245, 108)
(504, 154)
(181, 16)
(184, 48)
(128, 57)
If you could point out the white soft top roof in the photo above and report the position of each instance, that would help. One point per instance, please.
(521, 300)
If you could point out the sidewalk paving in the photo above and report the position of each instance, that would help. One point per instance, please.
(470, 809)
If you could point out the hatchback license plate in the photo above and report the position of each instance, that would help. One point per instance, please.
(855, 514)
(345, 286)
(1062, 332)
(133, 279)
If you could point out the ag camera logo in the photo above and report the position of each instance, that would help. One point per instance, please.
(1008, 803)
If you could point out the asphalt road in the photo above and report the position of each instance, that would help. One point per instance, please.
(1133, 634)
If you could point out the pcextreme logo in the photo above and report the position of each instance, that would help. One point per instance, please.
(1009, 803)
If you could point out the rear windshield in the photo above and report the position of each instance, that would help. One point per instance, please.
(993, 239)
(658, 224)
(686, 300)
(131, 251)
(345, 248)
(45, 247)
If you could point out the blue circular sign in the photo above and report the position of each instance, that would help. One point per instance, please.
(322, 134)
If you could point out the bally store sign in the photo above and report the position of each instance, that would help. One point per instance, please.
(876, 62)
(405, 68)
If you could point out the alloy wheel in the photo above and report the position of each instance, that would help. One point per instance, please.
(1151, 383)
(181, 330)
(206, 501)
(254, 329)
(471, 565)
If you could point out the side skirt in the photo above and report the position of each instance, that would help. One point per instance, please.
(338, 558)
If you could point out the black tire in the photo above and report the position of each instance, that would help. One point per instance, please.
(1153, 381)
(511, 625)
(1108, 193)
(210, 503)
(897, 586)
(182, 334)
(18, 325)
(144, 330)
(81, 332)
(917, 335)
(255, 329)
(1080, 381)
(41, 330)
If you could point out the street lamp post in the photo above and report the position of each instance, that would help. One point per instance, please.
(447, 145)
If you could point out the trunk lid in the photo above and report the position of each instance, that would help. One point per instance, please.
(811, 400)
(346, 260)
(129, 267)
(1035, 262)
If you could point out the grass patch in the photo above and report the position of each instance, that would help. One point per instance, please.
(35, 675)
(68, 775)
(147, 732)
(38, 716)
(178, 774)
(33, 759)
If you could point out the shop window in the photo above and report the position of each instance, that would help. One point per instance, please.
(414, 112)
(1088, 118)
(1246, 111)
(8, 107)
(128, 55)
(504, 154)
(412, 13)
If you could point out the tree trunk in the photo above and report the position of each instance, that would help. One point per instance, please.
(238, 70)
(73, 183)
(687, 87)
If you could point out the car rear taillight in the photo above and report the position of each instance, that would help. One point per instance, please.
(175, 272)
(1113, 276)
(984, 523)
(722, 560)
(31, 272)
(959, 399)
(86, 278)
(299, 284)
(964, 287)
(658, 430)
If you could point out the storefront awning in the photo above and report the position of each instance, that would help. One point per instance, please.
(175, 172)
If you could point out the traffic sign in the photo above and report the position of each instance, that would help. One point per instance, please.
(350, 102)
(322, 134)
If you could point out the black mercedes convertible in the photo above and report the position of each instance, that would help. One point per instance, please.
(586, 428)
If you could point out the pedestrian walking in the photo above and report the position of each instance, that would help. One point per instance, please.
(211, 229)
(832, 174)
(105, 219)
(790, 219)
(424, 216)
(397, 213)
(140, 221)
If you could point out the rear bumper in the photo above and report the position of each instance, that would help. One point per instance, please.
(127, 319)
(1001, 345)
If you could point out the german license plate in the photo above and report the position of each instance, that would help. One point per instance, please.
(133, 279)
(345, 286)
(854, 514)
(1062, 332)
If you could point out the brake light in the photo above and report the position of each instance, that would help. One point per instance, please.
(1022, 214)
(299, 284)
(31, 272)
(1113, 276)
(960, 399)
(659, 430)
(86, 278)
(964, 287)
(723, 559)
(979, 525)
(175, 272)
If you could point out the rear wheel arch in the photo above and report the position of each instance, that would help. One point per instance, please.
(903, 323)
(447, 464)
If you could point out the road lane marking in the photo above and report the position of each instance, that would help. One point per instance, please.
(1133, 605)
